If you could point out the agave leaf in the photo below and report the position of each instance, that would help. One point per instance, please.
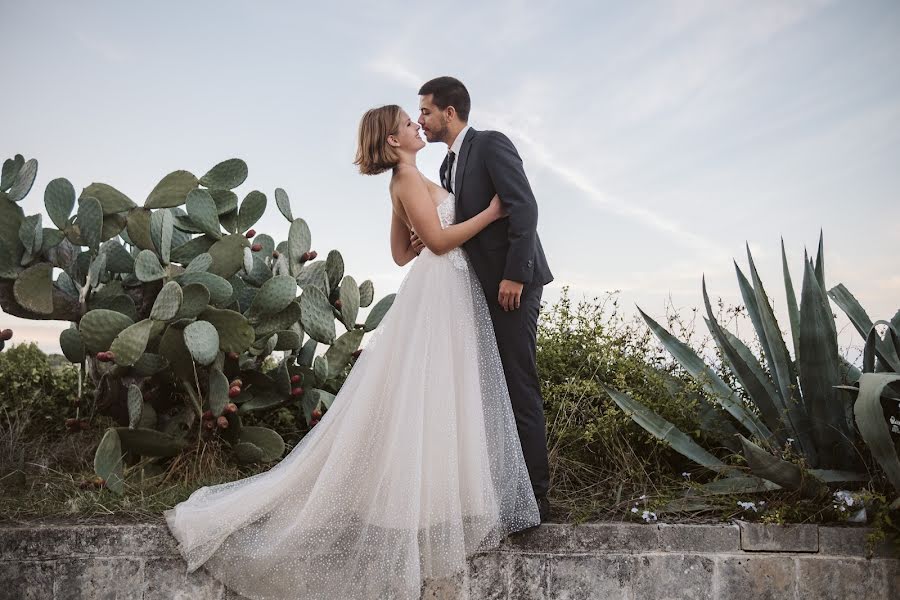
(793, 310)
(857, 315)
(749, 296)
(739, 484)
(750, 375)
(712, 383)
(665, 431)
(783, 370)
(786, 474)
(819, 365)
(836, 476)
(872, 425)
(820, 262)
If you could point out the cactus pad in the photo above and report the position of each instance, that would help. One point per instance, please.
(147, 267)
(59, 200)
(266, 440)
(135, 406)
(202, 341)
(274, 295)
(235, 332)
(349, 296)
(149, 442)
(194, 302)
(299, 243)
(90, 221)
(247, 453)
(24, 180)
(186, 252)
(34, 288)
(284, 204)
(99, 327)
(366, 293)
(220, 290)
(252, 208)
(201, 208)
(316, 316)
(218, 391)
(167, 303)
(378, 312)
(227, 255)
(72, 345)
(108, 460)
(131, 343)
(112, 200)
(138, 228)
(172, 190)
(226, 175)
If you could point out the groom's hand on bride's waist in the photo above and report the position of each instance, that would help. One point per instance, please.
(510, 294)
(415, 243)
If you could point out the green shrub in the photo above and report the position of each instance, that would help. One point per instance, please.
(36, 388)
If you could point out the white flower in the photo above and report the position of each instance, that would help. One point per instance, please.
(643, 497)
(790, 440)
(748, 506)
(634, 509)
(686, 475)
(844, 497)
(648, 516)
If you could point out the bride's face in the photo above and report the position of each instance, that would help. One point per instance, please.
(408, 136)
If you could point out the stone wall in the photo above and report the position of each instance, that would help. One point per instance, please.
(60, 561)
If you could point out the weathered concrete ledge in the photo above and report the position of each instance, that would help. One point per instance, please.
(58, 561)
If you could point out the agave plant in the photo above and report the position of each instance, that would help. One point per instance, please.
(805, 403)
(174, 310)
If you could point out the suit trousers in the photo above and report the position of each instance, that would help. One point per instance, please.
(516, 333)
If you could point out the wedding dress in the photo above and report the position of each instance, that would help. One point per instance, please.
(416, 465)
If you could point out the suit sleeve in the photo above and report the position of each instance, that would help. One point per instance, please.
(505, 169)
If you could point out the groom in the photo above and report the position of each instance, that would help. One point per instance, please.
(507, 255)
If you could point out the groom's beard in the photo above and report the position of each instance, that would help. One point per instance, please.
(442, 134)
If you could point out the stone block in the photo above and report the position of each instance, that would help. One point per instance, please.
(538, 539)
(614, 538)
(699, 538)
(850, 541)
(672, 577)
(26, 580)
(36, 542)
(168, 579)
(588, 578)
(446, 588)
(823, 577)
(756, 577)
(763, 537)
(528, 576)
(98, 579)
(488, 577)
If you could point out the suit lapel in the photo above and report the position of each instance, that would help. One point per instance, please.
(461, 163)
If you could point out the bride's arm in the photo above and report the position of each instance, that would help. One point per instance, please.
(401, 249)
(413, 195)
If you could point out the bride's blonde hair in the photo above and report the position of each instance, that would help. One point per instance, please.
(373, 153)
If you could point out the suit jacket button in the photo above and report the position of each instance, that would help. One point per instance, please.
(529, 263)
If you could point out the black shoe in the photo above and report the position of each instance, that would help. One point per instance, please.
(543, 508)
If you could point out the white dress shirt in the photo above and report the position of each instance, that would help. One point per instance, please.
(457, 144)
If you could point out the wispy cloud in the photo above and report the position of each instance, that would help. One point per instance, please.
(105, 49)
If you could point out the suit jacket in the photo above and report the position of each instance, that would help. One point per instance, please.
(509, 248)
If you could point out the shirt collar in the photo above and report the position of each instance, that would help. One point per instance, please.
(457, 143)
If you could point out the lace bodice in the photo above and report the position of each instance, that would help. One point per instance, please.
(447, 214)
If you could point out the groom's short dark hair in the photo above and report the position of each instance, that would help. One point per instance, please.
(449, 91)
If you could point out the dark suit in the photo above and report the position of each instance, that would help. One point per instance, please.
(510, 248)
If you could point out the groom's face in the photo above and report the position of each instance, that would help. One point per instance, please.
(433, 120)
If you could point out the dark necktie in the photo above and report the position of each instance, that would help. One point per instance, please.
(451, 156)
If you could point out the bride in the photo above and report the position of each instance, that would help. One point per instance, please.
(417, 465)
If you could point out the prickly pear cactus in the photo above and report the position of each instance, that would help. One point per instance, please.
(176, 304)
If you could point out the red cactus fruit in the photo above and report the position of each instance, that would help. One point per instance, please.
(297, 391)
(275, 254)
(313, 422)
(209, 424)
(84, 424)
(316, 414)
(231, 408)
(207, 415)
(251, 234)
(232, 355)
(313, 254)
(295, 378)
(6, 335)
(222, 422)
(236, 383)
(234, 392)
(256, 247)
(338, 304)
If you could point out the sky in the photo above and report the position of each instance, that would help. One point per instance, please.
(659, 137)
